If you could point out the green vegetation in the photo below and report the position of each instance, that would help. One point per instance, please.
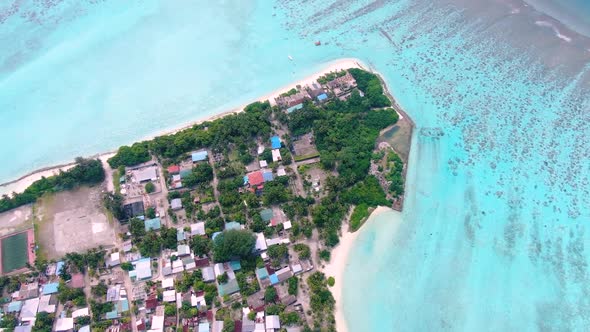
(86, 172)
(130, 156)
(359, 215)
(200, 245)
(233, 243)
(114, 204)
(201, 173)
(321, 300)
(371, 85)
(331, 76)
(100, 290)
(395, 174)
(126, 266)
(291, 92)
(150, 187)
(270, 294)
(277, 254)
(75, 295)
(293, 285)
(302, 250)
(331, 281)
(44, 322)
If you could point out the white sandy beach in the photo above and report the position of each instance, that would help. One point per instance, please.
(21, 184)
(337, 267)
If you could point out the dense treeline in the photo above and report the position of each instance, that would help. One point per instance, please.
(216, 135)
(86, 172)
(370, 84)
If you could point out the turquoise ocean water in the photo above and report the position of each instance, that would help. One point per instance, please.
(495, 227)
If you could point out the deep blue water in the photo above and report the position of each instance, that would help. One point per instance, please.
(495, 227)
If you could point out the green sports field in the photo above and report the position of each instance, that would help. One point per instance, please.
(14, 252)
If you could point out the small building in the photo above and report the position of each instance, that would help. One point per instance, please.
(169, 296)
(146, 174)
(114, 293)
(28, 291)
(281, 171)
(296, 268)
(254, 178)
(275, 142)
(177, 266)
(173, 169)
(260, 242)
(168, 283)
(295, 108)
(64, 324)
(263, 163)
(113, 259)
(80, 313)
(198, 229)
(152, 224)
(266, 215)
(208, 274)
(235, 265)
(29, 310)
(127, 246)
(14, 307)
(189, 263)
(58, 267)
(23, 328)
(142, 270)
(50, 288)
(233, 225)
(183, 250)
(272, 322)
(176, 204)
(323, 97)
(47, 303)
(134, 209)
(157, 323)
(199, 156)
(201, 262)
(180, 235)
(276, 155)
(203, 327)
(230, 287)
(287, 225)
(77, 280)
(219, 269)
(267, 176)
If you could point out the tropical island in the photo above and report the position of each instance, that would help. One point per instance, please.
(222, 226)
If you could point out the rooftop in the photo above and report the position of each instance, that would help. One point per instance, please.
(152, 224)
(275, 142)
(199, 155)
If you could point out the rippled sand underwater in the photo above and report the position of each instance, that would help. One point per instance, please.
(495, 224)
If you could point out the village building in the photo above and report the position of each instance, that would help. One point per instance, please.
(201, 155)
(198, 229)
(145, 174)
(176, 204)
(142, 270)
(276, 155)
(64, 324)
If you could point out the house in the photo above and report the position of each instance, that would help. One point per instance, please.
(287, 225)
(272, 322)
(201, 262)
(28, 291)
(219, 269)
(254, 178)
(281, 171)
(198, 300)
(23, 328)
(208, 274)
(134, 209)
(230, 287)
(233, 225)
(176, 204)
(28, 311)
(152, 224)
(177, 266)
(113, 260)
(267, 176)
(146, 174)
(64, 324)
(343, 83)
(168, 283)
(276, 155)
(77, 280)
(203, 327)
(180, 235)
(81, 313)
(260, 242)
(263, 164)
(315, 89)
(183, 250)
(47, 303)
(114, 293)
(173, 169)
(58, 267)
(157, 323)
(198, 229)
(296, 268)
(50, 288)
(323, 97)
(217, 326)
(142, 270)
(169, 296)
(266, 215)
(189, 263)
(295, 108)
(275, 142)
(127, 246)
(199, 156)
(292, 99)
(288, 300)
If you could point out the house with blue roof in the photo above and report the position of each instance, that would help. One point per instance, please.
(294, 108)
(230, 287)
(322, 97)
(50, 288)
(14, 306)
(274, 279)
(180, 235)
(199, 156)
(235, 265)
(203, 327)
(275, 142)
(58, 267)
(267, 176)
(152, 224)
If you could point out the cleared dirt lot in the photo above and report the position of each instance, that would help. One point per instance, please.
(16, 220)
(72, 222)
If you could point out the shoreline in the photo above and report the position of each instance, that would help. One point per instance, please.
(21, 183)
(337, 266)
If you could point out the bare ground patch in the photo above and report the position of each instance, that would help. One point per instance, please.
(72, 221)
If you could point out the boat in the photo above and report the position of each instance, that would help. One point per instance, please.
(318, 43)
(290, 58)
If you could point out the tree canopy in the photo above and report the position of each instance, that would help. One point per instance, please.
(233, 243)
